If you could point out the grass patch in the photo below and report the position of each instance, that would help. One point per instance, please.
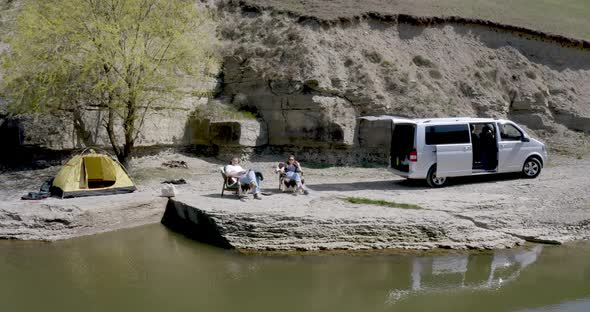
(368, 201)
(568, 18)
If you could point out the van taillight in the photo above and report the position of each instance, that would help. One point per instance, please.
(413, 156)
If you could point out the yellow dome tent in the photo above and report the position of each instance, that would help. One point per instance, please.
(92, 174)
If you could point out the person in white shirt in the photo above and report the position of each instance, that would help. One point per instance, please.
(234, 170)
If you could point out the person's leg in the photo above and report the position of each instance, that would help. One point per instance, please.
(250, 178)
(254, 180)
(297, 177)
(245, 179)
(484, 158)
(292, 176)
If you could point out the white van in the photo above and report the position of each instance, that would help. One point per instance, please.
(439, 148)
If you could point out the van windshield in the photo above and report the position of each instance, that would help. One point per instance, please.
(402, 144)
(509, 133)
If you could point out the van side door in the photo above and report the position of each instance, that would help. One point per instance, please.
(510, 148)
(454, 153)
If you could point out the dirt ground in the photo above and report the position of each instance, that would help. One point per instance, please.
(553, 208)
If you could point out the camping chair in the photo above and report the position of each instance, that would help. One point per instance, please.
(233, 184)
(285, 185)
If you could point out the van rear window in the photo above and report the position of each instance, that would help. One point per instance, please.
(447, 134)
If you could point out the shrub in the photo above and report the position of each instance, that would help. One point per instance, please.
(373, 56)
(434, 73)
(221, 112)
(480, 63)
(422, 61)
(531, 74)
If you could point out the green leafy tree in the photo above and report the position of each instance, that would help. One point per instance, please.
(122, 56)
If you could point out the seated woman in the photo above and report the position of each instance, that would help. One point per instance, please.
(292, 171)
(234, 170)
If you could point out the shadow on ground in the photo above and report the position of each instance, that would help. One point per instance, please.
(370, 185)
(409, 184)
(485, 178)
(265, 193)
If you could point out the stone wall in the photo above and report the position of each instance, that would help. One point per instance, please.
(26, 138)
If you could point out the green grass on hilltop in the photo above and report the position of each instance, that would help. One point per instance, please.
(569, 18)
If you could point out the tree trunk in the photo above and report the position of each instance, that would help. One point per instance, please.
(112, 136)
(129, 127)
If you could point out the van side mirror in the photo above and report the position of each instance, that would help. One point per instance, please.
(523, 139)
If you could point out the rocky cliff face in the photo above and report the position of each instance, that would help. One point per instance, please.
(309, 80)
(293, 68)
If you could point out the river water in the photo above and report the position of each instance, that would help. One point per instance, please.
(152, 269)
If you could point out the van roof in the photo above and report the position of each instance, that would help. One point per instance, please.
(430, 120)
(453, 119)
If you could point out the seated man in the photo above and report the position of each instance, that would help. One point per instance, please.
(488, 148)
(292, 171)
(234, 170)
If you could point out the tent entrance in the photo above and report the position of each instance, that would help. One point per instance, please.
(100, 172)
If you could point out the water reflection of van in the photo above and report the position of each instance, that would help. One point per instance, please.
(439, 148)
(448, 273)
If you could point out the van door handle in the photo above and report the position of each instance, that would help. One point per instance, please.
(467, 148)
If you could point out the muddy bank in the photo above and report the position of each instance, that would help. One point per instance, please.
(484, 212)
(57, 219)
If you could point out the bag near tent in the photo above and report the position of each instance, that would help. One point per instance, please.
(91, 174)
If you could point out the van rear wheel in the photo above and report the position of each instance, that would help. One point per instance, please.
(433, 180)
(531, 168)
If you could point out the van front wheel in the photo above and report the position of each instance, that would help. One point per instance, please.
(433, 180)
(531, 168)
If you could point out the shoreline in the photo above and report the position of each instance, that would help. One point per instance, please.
(475, 213)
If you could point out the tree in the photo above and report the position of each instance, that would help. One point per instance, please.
(120, 55)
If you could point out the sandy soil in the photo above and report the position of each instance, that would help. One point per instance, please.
(554, 208)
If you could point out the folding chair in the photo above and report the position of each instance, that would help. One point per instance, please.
(285, 185)
(232, 184)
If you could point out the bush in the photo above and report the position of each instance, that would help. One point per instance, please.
(422, 61)
(531, 74)
(373, 57)
(434, 73)
(221, 112)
